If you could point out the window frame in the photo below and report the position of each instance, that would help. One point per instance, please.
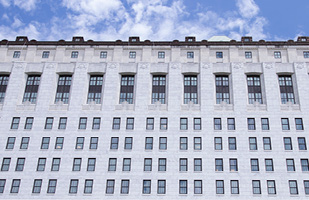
(116, 123)
(148, 143)
(147, 164)
(219, 165)
(114, 143)
(41, 164)
(127, 89)
(127, 143)
(32, 88)
(73, 186)
(45, 144)
(77, 162)
(52, 185)
(130, 123)
(94, 143)
(183, 187)
(15, 122)
(37, 185)
(95, 89)
(219, 186)
(91, 164)
(163, 123)
(197, 143)
(49, 123)
(183, 123)
(162, 143)
(265, 126)
(150, 123)
(158, 93)
(10, 143)
(63, 89)
(190, 85)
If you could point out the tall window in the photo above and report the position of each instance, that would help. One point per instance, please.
(269, 166)
(302, 143)
(222, 89)
(287, 143)
(197, 122)
(219, 164)
(183, 123)
(5, 164)
(2, 185)
(162, 186)
(299, 124)
(198, 189)
(163, 123)
(265, 124)
(158, 88)
(91, 164)
(95, 89)
(96, 123)
(218, 143)
(234, 187)
(32, 87)
(146, 186)
(254, 89)
(59, 143)
(126, 166)
(37, 184)
(183, 164)
(183, 187)
(29, 122)
(82, 123)
(116, 123)
(293, 187)
(183, 143)
(197, 164)
(190, 89)
(267, 143)
(271, 187)
(79, 143)
(20, 164)
(24, 142)
(286, 89)
(55, 164)
(45, 143)
(125, 186)
(127, 89)
(15, 123)
(10, 143)
(306, 184)
(285, 124)
(147, 164)
(15, 185)
(73, 186)
(251, 124)
(149, 143)
(290, 165)
(254, 165)
(49, 122)
(162, 164)
(110, 184)
(4, 79)
(114, 143)
(219, 187)
(217, 124)
(230, 123)
(252, 143)
(256, 186)
(233, 165)
(232, 143)
(62, 123)
(52, 183)
(128, 143)
(304, 165)
(150, 124)
(112, 164)
(130, 123)
(63, 89)
(77, 164)
(93, 143)
(197, 143)
(162, 143)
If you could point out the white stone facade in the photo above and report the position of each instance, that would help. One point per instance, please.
(205, 66)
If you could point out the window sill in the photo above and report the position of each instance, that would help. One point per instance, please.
(157, 106)
(59, 106)
(91, 106)
(25, 106)
(290, 106)
(191, 106)
(124, 106)
(223, 107)
(257, 107)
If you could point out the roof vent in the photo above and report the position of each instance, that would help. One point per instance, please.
(78, 39)
(21, 39)
(302, 39)
(246, 39)
(190, 39)
(133, 39)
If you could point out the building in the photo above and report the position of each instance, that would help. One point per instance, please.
(138, 119)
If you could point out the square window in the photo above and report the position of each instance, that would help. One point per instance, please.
(82, 123)
(49, 123)
(132, 54)
(59, 143)
(251, 124)
(15, 123)
(265, 124)
(93, 143)
(24, 142)
(217, 124)
(218, 143)
(219, 54)
(79, 143)
(219, 164)
(116, 123)
(190, 54)
(197, 123)
(103, 54)
(183, 124)
(299, 124)
(197, 143)
(128, 143)
(96, 123)
(183, 143)
(163, 123)
(150, 124)
(114, 143)
(91, 164)
(306, 54)
(147, 164)
(62, 123)
(45, 54)
(74, 54)
(248, 54)
(148, 143)
(162, 143)
(277, 54)
(230, 123)
(161, 54)
(16, 54)
(130, 123)
(45, 143)
(10, 143)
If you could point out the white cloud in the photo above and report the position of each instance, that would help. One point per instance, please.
(17, 23)
(247, 8)
(5, 3)
(26, 5)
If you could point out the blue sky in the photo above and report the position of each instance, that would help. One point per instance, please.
(153, 19)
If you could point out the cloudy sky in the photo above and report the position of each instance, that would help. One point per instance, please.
(153, 19)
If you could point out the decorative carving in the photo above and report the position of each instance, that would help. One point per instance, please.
(157, 106)
(268, 65)
(112, 65)
(81, 66)
(175, 65)
(290, 106)
(125, 106)
(190, 106)
(206, 65)
(237, 65)
(144, 65)
(50, 66)
(300, 65)
(223, 106)
(19, 66)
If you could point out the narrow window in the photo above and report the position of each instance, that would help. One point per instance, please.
(265, 124)
(198, 188)
(103, 54)
(287, 143)
(306, 185)
(234, 187)
(222, 89)
(230, 123)
(197, 164)
(77, 164)
(162, 164)
(219, 164)
(10, 143)
(162, 143)
(302, 143)
(16, 54)
(28, 123)
(218, 143)
(269, 165)
(59, 143)
(112, 163)
(41, 164)
(52, 183)
(88, 186)
(248, 54)
(132, 54)
(256, 187)
(254, 89)
(252, 143)
(55, 164)
(147, 164)
(219, 54)
(116, 123)
(49, 123)
(219, 187)
(37, 184)
(161, 187)
(20, 164)
(95, 89)
(91, 164)
(254, 165)
(190, 89)
(286, 89)
(125, 186)
(130, 123)
(285, 124)
(232, 143)
(110, 185)
(32, 88)
(63, 88)
(299, 124)
(45, 143)
(163, 123)
(15, 185)
(217, 124)
(2, 185)
(128, 143)
(126, 164)
(93, 143)
(197, 123)
(183, 143)
(190, 54)
(290, 165)
(82, 123)
(158, 89)
(161, 54)
(114, 143)
(277, 54)
(45, 54)
(148, 143)
(304, 165)
(146, 186)
(183, 123)
(79, 143)
(233, 165)
(251, 124)
(15, 123)
(267, 143)
(4, 79)
(62, 123)
(127, 89)
(271, 187)
(73, 186)
(293, 187)
(5, 164)
(150, 124)
(197, 143)
(183, 186)
(183, 164)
